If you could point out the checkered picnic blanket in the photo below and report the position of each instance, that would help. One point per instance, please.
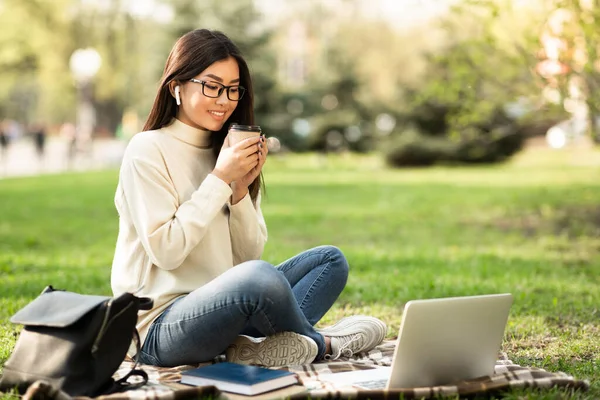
(164, 383)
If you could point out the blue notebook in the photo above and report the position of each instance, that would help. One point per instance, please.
(238, 378)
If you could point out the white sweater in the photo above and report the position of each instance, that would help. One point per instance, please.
(177, 227)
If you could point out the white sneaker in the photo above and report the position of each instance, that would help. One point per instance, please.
(354, 334)
(278, 350)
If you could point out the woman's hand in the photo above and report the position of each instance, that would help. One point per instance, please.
(240, 186)
(237, 161)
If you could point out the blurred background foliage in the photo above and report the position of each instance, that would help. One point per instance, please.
(465, 86)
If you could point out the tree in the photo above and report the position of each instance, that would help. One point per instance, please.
(485, 65)
(32, 80)
(352, 70)
(575, 24)
(36, 83)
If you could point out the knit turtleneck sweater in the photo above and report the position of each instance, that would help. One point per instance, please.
(177, 227)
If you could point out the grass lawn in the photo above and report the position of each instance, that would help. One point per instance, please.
(530, 227)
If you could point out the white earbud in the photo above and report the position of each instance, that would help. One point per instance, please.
(177, 98)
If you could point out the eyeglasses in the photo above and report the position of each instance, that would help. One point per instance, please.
(215, 90)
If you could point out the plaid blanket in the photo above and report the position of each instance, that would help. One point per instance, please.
(164, 382)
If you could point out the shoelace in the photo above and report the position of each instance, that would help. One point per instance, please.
(344, 348)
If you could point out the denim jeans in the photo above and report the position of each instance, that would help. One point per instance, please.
(253, 298)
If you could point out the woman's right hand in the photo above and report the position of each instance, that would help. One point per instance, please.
(236, 161)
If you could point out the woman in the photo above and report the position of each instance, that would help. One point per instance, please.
(191, 231)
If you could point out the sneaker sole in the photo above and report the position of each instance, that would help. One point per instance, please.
(281, 349)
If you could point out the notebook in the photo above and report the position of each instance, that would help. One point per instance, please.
(440, 341)
(237, 378)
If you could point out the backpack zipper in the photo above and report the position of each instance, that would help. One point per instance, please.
(102, 327)
(106, 322)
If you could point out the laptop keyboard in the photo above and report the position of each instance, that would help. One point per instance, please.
(372, 384)
(369, 379)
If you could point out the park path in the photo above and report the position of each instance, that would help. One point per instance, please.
(21, 158)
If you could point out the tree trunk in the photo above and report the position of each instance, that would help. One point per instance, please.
(593, 113)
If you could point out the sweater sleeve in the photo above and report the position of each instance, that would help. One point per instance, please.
(168, 230)
(248, 230)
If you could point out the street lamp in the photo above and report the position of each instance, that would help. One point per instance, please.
(84, 65)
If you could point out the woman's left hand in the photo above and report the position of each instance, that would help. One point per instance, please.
(240, 187)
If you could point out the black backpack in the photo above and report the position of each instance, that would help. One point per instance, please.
(74, 342)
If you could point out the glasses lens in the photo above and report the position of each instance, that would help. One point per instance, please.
(210, 89)
(235, 93)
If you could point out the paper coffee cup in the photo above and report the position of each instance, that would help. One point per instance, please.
(239, 132)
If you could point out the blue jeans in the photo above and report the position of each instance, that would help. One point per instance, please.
(253, 298)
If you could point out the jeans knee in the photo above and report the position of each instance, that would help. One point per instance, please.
(337, 260)
(263, 278)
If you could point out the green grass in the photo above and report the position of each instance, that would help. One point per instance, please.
(530, 227)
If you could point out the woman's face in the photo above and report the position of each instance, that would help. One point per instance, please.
(204, 112)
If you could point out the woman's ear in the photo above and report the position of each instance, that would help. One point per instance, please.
(175, 90)
(177, 98)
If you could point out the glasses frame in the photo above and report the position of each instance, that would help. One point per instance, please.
(222, 88)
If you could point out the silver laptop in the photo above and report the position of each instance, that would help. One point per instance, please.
(440, 341)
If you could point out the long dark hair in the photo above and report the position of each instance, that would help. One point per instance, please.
(193, 53)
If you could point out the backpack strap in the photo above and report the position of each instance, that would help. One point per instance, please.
(122, 384)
